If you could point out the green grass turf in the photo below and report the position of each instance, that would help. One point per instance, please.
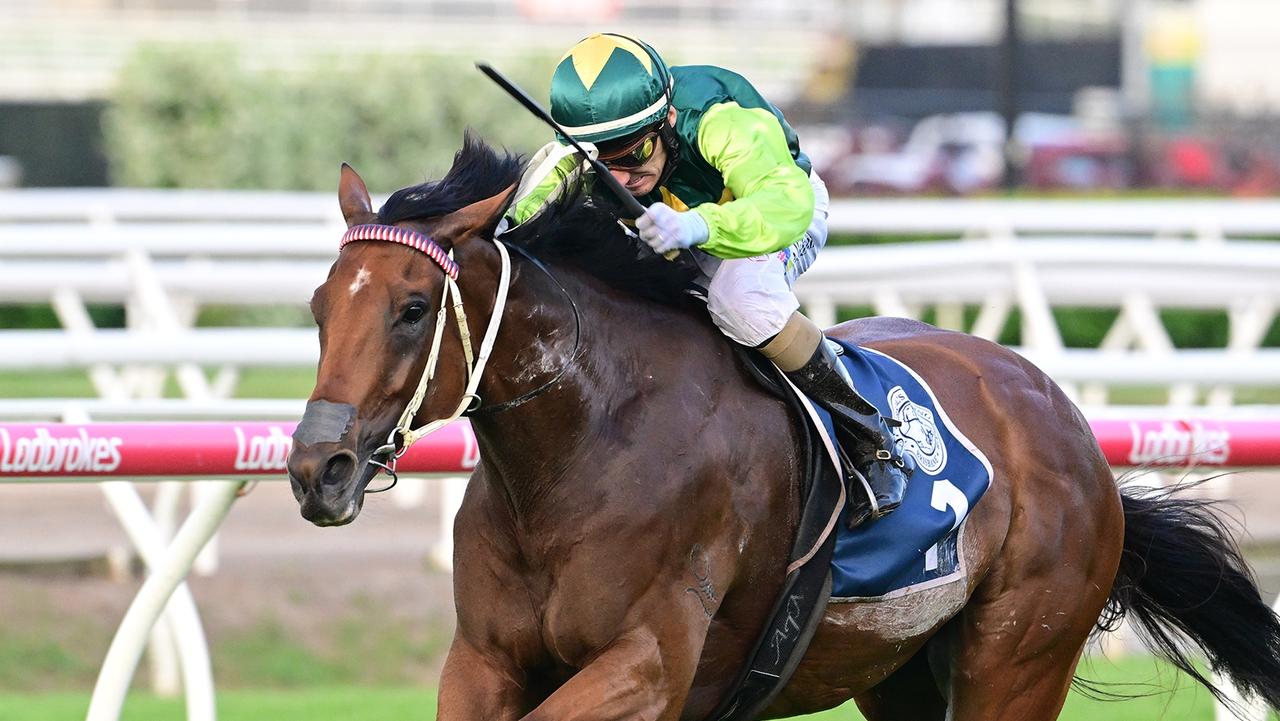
(1139, 675)
(253, 383)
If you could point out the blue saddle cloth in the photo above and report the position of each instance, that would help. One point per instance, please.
(917, 545)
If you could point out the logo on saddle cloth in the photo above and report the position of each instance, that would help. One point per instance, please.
(919, 545)
(918, 434)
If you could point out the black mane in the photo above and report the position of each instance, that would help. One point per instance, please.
(579, 230)
(477, 173)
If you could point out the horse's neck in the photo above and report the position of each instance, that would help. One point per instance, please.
(597, 369)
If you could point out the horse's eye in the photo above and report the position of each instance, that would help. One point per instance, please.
(414, 313)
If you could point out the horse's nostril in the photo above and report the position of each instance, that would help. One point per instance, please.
(339, 468)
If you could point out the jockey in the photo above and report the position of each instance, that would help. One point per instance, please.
(722, 174)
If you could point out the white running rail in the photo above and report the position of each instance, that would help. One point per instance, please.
(165, 255)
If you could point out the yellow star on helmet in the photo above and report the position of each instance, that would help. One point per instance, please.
(592, 54)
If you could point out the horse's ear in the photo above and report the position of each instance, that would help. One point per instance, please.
(353, 198)
(480, 218)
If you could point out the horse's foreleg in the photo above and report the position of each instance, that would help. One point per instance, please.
(635, 678)
(473, 686)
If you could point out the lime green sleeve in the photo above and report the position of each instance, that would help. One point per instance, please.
(548, 173)
(773, 200)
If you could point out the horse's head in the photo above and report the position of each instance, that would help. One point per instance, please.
(378, 318)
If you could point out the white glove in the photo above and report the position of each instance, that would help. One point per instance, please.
(666, 229)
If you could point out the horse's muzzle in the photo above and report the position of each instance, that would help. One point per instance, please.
(324, 470)
(327, 482)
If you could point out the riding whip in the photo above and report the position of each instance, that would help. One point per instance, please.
(632, 205)
(628, 200)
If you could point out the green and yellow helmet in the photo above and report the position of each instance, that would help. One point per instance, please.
(609, 86)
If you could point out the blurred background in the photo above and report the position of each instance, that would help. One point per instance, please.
(1092, 182)
(899, 96)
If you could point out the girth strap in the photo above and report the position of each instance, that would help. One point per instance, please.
(799, 608)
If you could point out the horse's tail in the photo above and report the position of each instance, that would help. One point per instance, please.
(1182, 577)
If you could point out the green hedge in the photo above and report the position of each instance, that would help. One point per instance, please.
(200, 117)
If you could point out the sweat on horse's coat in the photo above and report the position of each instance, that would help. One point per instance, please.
(575, 543)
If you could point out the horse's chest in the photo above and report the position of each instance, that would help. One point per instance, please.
(578, 620)
(538, 629)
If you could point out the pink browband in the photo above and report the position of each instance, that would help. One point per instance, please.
(403, 236)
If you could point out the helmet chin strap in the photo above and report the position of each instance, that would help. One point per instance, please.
(671, 140)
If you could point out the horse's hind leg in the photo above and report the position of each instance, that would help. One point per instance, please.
(1013, 650)
(910, 693)
(989, 686)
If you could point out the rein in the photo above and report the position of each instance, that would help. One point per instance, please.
(577, 339)
(470, 403)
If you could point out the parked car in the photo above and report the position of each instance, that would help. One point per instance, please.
(1080, 165)
(964, 153)
(957, 153)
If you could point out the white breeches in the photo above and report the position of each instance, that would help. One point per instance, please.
(750, 299)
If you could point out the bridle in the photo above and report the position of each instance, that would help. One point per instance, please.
(577, 339)
(470, 403)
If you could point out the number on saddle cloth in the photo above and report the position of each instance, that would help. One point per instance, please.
(883, 557)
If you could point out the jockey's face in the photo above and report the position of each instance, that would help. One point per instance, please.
(643, 179)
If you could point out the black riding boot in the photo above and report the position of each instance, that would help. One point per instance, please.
(866, 435)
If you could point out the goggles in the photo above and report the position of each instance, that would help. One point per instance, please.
(633, 155)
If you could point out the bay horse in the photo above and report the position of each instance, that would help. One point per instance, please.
(627, 528)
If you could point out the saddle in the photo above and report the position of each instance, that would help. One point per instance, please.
(918, 546)
(800, 605)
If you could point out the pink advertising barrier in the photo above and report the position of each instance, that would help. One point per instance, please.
(230, 449)
(50, 451)
(1184, 442)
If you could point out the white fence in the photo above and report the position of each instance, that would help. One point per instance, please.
(1137, 278)
(165, 255)
(1205, 219)
(165, 604)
